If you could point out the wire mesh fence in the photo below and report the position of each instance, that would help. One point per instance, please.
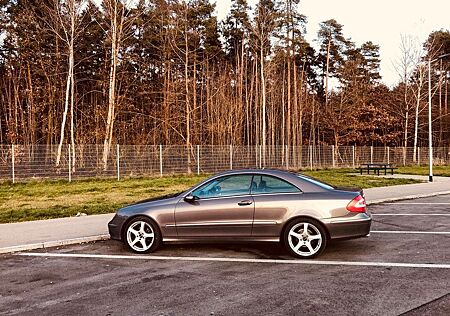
(27, 162)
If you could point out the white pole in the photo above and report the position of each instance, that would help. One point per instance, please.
(13, 164)
(332, 155)
(388, 156)
(310, 158)
(231, 157)
(260, 156)
(287, 156)
(371, 154)
(418, 156)
(160, 161)
(118, 163)
(70, 163)
(430, 129)
(353, 157)
(198, 159)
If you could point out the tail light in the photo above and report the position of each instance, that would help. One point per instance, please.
(358, 204)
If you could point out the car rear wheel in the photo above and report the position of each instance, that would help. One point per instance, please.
(305, 238)
(142, 235)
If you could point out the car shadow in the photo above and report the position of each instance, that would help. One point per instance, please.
(254, 250)
(336, 250)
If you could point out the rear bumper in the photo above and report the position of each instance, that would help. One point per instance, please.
(115, 227)
(359, 226)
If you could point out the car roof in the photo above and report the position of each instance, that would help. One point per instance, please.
(301, 182)
(259, 171)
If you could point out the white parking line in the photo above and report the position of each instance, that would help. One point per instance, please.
(411, 214)
(420, 203)
(408, 232)
(245, 260)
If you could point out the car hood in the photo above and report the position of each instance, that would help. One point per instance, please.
(144, 205)
(158, 198)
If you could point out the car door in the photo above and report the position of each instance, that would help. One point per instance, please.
(223, 207)
(274, 198)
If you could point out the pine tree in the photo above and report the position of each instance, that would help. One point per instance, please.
(331, 54)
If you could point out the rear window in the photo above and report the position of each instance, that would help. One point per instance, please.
(267, 184)
(316, 182)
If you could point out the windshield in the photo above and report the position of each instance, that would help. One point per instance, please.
(316, 182)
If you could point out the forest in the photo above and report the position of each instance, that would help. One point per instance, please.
(169, 72)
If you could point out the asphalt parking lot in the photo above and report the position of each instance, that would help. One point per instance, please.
(402, 268)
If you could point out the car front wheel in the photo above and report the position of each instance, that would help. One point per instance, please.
(142, 235)
(305, 238)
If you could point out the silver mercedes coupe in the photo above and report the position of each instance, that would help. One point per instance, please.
(300, 212)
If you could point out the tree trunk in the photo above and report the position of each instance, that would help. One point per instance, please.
(416, 122)
(66, 107)
(405, 139)
(263, 105)
(440, 103)
(327, 71)
(116, 28)
(72, 82)
(188, 109)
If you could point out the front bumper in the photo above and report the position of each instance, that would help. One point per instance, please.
(354, 227)
(115, 227)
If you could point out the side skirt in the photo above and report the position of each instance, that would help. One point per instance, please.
(220, 239)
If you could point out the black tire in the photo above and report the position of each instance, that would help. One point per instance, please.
(314, 228)
(142, 228)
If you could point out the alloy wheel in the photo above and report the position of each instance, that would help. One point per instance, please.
(140, 236)
(305, 239)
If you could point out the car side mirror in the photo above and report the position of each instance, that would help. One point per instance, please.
(191, 198)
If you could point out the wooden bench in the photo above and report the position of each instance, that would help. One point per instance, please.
(376, 167)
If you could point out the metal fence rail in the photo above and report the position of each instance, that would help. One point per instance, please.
(22, 163)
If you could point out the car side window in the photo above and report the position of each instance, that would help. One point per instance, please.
(225, 186)
(268, 184)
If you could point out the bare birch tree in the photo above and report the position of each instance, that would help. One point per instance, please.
(419, 83)
(64, 22)
(120, 21)
(405, 66)
(116, 13)
(264, 26)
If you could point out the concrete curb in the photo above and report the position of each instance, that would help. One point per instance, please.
(408, 197)
(54, 243)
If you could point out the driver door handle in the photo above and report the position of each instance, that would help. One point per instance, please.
(245, 202)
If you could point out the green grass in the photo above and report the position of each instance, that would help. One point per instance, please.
(443, 171)
(53, 199)
(349, 177)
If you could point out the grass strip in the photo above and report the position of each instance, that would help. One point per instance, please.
(36, 200)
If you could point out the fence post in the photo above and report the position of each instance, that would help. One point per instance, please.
(231, 157)
(388, 156)
(13, 164)
(260, 156)
(286, 151)
(70, 164)
(198, 159)
(371, 154)
(418, 156)
(300, 157)
(332, 156)
(118, 163)
(310, 158)
(353, 156)
(160, 161)
(404, 155)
